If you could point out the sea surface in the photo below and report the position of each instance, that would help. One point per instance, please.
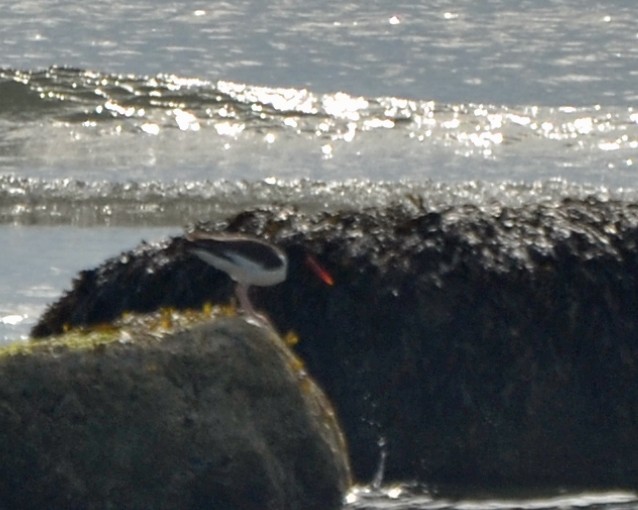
(126, 121)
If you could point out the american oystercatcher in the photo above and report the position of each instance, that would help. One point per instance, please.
(248, 260)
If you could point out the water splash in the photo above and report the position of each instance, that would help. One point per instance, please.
(377, 481)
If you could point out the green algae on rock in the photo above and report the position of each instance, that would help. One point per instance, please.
(215, 414)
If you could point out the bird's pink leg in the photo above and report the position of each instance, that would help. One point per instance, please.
(241, 291)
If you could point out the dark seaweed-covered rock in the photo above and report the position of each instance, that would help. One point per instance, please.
(486, 345)
(216, 415)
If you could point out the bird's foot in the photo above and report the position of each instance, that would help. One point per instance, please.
(259, 319)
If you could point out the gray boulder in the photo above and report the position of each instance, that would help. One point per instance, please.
(216, 415)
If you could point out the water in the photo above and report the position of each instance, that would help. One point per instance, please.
(414, 497)
(125, 121)
(94, 126)
(514, 52)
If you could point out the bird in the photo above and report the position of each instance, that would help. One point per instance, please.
(247, 259)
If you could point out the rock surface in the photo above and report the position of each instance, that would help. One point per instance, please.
(217, 415)
(486, 345)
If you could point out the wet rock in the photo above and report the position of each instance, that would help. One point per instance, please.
(215, 415)
(486, 345)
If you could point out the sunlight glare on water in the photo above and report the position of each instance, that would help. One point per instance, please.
(555, 52)
(204, 130)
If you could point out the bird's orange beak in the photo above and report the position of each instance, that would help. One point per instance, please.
(321, 272)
